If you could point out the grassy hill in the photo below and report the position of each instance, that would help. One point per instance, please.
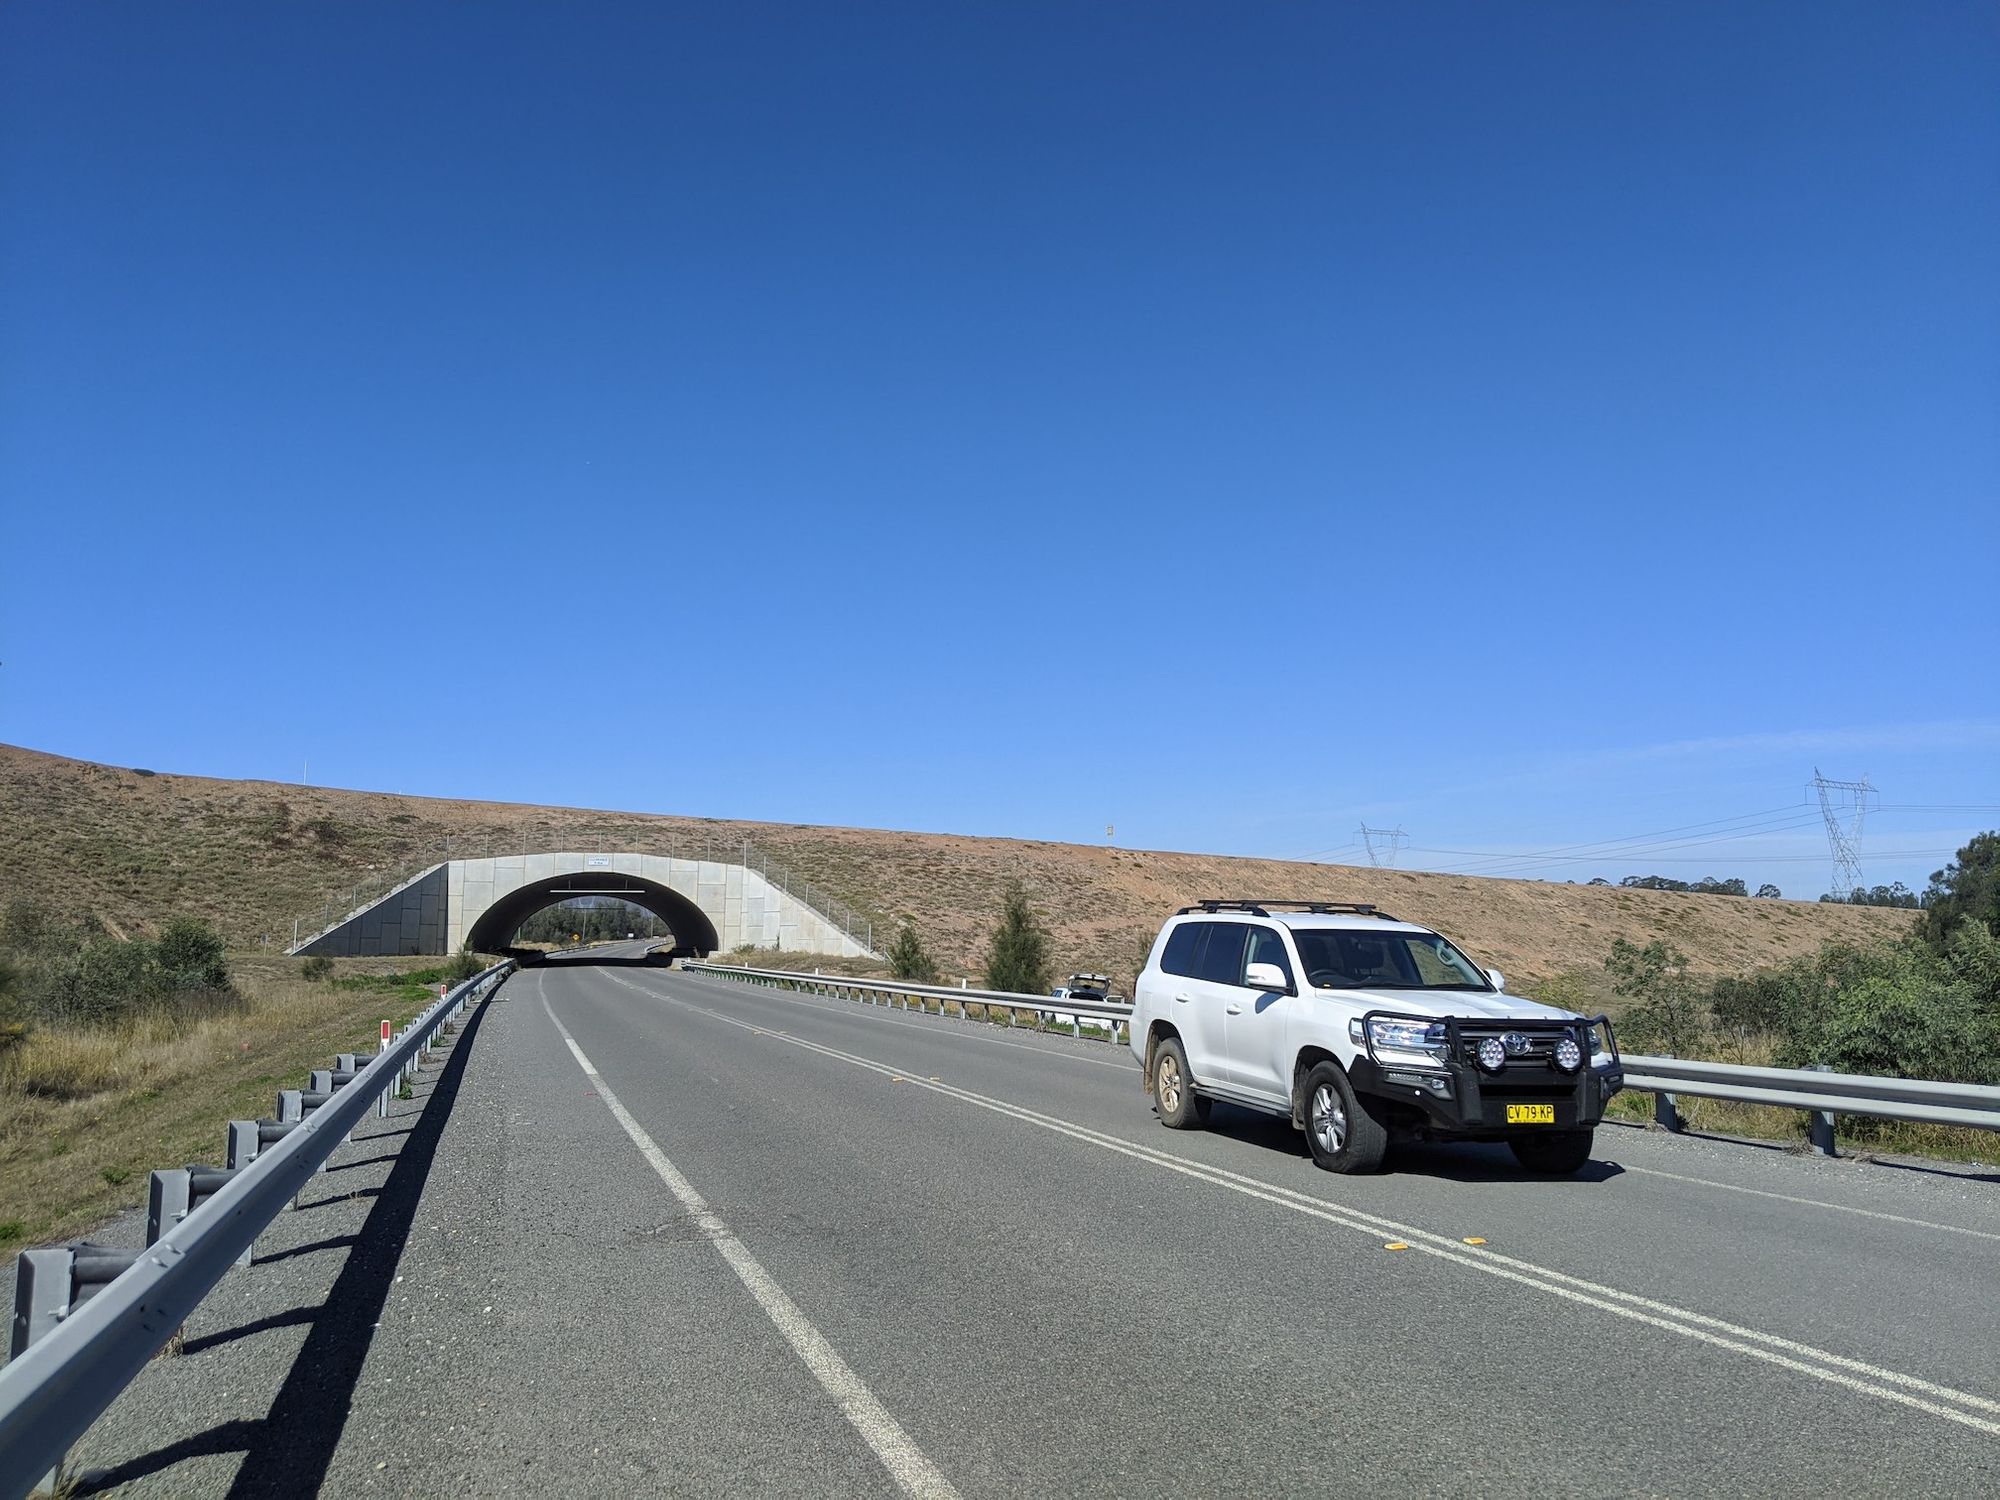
(134, 846)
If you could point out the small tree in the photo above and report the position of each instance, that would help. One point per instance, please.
(1768, 891)
(910, 959)
(1966, 889)
(1018, 959)
(1669, 1008)
(189, 954)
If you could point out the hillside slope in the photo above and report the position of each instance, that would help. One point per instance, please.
(133, 847)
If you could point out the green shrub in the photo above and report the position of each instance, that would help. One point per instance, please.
(463, 966)
(910, 959)
(189, 953)
(316, 967)
(1017, 961)
(1669, 1009)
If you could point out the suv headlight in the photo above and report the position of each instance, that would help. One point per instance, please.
(1425, 1038)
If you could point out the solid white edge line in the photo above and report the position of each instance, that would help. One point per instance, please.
(1832, 1367)
(1841, 1208)
(897, 1452)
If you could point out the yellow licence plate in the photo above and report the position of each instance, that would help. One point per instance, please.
(1531, 1114)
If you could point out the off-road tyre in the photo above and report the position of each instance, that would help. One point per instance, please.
(1557, 1153)
(1344, 1130)
(1173, 1088)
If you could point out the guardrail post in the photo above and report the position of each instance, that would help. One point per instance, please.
(167, 1202)
(291, 1105)
(1819, 1124)
(1667, 1110)
(41, 1302)
(41, 1295)
(242, 1144)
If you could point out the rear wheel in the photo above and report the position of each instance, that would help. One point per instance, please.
(1173, 1088)
(1343, 1129)
(1558, 1153)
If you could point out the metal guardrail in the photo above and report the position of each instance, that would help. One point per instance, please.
(53, 1390)
(1821, 1092)
(1116, 1013)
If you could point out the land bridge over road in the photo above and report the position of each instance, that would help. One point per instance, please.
(711, 906)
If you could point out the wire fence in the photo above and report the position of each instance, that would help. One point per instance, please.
(345, 903)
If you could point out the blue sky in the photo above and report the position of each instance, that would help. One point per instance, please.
(1529, 425)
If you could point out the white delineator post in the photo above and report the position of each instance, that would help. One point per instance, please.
(382, 1099)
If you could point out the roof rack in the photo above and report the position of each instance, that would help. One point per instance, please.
(1257, 907)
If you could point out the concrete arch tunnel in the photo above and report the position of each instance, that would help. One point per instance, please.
(694, 932)
(712, 906)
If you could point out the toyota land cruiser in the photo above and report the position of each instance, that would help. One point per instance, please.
(1359, 1028)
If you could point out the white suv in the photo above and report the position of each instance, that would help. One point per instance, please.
(1355, 1025)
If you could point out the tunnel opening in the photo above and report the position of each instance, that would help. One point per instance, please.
(693, 935)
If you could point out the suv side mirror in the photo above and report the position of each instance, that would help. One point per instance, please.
(1266, 977)
(1499, 980)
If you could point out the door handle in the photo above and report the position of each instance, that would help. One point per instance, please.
(1234, 1010)
(1181, 999)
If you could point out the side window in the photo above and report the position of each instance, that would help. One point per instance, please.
(1179, 955)
(1222, 958)
(1266, 947)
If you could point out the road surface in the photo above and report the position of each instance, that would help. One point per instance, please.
(658, 1233)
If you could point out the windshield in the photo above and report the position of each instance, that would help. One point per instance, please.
(1339, 960)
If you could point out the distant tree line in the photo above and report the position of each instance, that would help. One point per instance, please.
(594, 919)
(1897, 894)
(1708, 885)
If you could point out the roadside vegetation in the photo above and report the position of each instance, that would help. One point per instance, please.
(1926, 1005)
(122, 1054)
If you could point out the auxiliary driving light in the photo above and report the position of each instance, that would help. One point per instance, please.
(1492, 1055)
(1569, 1056)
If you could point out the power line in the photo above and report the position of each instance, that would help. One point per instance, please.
(1488, 863)
(1610, 847)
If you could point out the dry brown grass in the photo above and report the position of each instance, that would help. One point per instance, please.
(85, 1115)
(249, 856)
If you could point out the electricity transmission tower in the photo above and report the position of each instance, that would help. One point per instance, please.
(1844, 844)
(1392, 841)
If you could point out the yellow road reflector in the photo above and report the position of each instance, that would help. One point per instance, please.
(1395, 1245)
(895, 1080)
(1473, 1239)
(936, 1079)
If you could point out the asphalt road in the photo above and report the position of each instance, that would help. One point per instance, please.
(647, 1232)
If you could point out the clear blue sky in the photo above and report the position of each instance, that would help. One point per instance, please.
(1529, 424)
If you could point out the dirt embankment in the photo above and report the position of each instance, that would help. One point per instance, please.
(133, 847)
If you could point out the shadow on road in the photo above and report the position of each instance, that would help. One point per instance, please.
(1456, 1161)
(289, 1451)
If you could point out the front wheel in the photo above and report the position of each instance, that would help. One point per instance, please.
(1558, 1153)
(1343, 1129)
(1173, 1088)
